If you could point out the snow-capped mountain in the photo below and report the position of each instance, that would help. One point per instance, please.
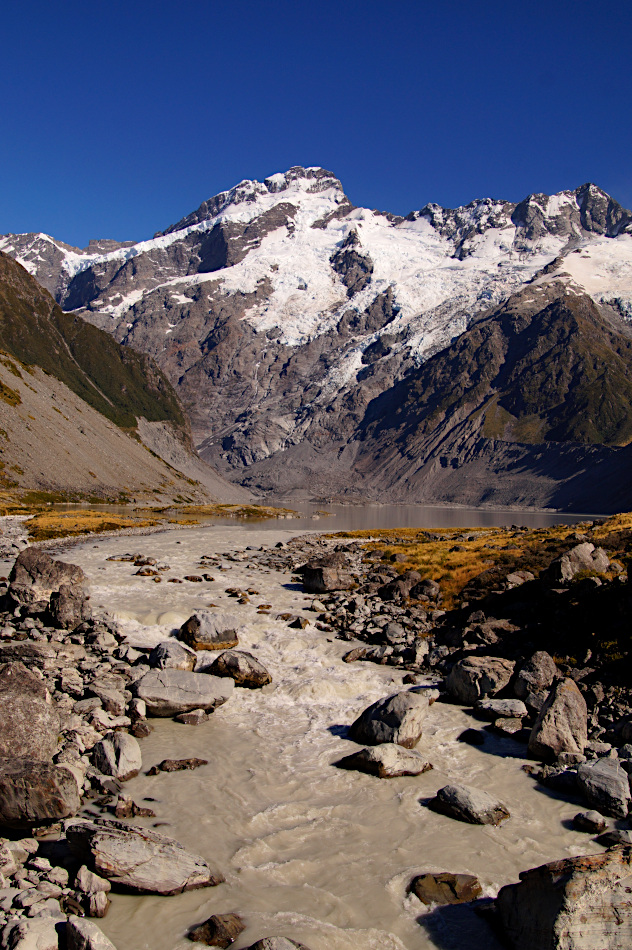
(280, 311)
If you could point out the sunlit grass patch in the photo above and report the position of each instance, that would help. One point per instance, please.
(65, 524)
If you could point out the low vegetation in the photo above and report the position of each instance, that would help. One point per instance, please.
(472, 560)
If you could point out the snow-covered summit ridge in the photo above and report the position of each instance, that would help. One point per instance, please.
(297, 234)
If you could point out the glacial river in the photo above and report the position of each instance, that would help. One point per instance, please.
(309, 851)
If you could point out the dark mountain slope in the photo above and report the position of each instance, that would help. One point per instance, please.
(115, 380)
(519, 409)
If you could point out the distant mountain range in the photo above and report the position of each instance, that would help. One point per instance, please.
(473, 355)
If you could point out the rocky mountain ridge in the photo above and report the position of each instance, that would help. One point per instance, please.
(280, 311)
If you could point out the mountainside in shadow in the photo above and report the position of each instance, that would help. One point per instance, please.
(52, 359)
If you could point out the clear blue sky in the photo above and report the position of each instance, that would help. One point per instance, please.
(118, 118)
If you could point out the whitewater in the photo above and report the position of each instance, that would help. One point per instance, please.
(309, 851)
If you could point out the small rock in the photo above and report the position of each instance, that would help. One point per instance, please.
(590, 821)
(605, 785)
(82, 934)
(469, 804)
(386, 761)
(243, 668)
(210, 630)
(220, 930)
(446, 888)
(477, 677)
(397, 718)
(172, 655)
(561, 725)
(176, 765)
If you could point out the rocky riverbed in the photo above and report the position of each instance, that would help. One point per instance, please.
(192, 751)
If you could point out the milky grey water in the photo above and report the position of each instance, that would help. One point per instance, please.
(309, 851)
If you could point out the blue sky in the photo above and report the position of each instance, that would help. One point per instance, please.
(119, 118)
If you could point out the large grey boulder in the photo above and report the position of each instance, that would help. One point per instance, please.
(82, 934)
(118, 754)
(35, 792)
(35, 576)
(326, 573)
(242, 667)
(469, 804)
(172, 655)
(210, 630)
(138, 858)
(562, 723)
(29, 721)
(477, 677)
(605, 785)
(580, 903)
(397, 718)
(536, 675)
(583, 557)
(169, 692)
(35, 933)
(386, 761)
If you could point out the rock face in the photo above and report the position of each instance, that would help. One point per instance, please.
(397, 718)
(172, 655)
(210, 630)
(243, 668)
(139, 858)
(36, 578)
(476, 677)
(583, 557)
(38, 933)
(561, 725)
(446, 888)
(330, 572)
(386, 761)
(29, 721)
(35, 792)
(536, 675)
(580, 903)
(469, 804)
(606, 786)
(169, 692)
(82, 934)
(118, 755)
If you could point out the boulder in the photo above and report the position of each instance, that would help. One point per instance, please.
(583, 557)
(469, 804)
(590, 821)
(35, 576)
(139, 858)
(210, 630)
(243, 668)
(536, 675)
(476, 677)
(82, 934)
(329, 572)
(446, 888)
(29, 721)
(397, 718)
(35, 933)
(220, 930)
(562, 724)
(580, 903)
(118, 754)
(169, 692)
(277, 943)
(69, 606)
(386, 761)
(172, 655)
(35, 792)
(491, 709)
(605, 785)
(44, 656)
(400, 587)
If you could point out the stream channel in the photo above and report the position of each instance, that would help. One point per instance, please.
(309, 851)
